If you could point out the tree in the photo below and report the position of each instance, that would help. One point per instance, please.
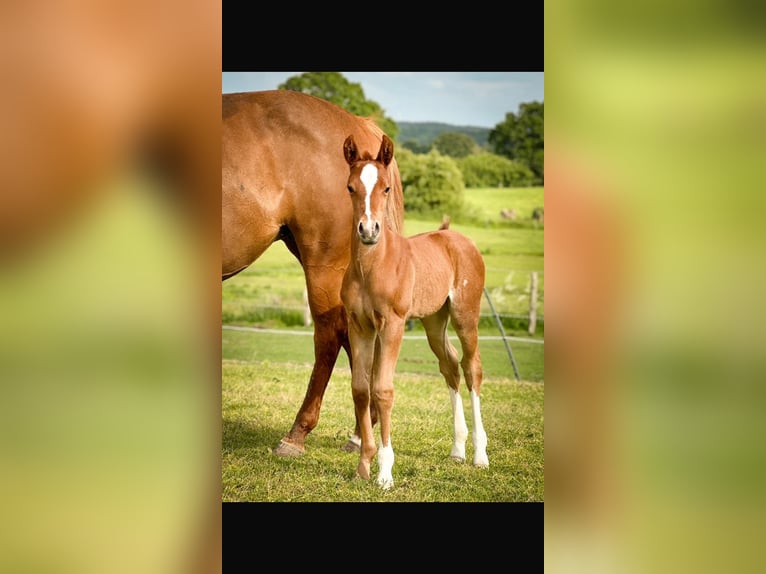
(335, 88)
(455, 144)
(414, 146)
(522, 137)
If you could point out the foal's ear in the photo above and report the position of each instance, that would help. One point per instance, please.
(386, 152)
(349, 150)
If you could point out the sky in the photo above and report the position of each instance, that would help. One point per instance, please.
(480, 99)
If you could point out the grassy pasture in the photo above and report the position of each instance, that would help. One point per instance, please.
(260, 399)
(485, 204)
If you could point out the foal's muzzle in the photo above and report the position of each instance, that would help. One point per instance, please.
(369, 233)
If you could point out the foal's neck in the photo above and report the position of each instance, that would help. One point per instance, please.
(369, 258)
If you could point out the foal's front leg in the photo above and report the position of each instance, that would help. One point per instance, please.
(354, 442)
(362, 352)
(391, 335)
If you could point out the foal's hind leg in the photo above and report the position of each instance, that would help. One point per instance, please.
(436, 331)
(467, 329)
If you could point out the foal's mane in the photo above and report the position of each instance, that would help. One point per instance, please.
(395, 206)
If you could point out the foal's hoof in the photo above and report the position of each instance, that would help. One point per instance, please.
(481, 461)
(286, 449)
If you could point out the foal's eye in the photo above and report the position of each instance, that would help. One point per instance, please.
(387, 190)
(350, 189)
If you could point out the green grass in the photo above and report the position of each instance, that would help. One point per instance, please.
(487, 203)
(260, 399)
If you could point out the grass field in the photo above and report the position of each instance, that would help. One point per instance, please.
(487, 203)
(265, 375)
(260, 399)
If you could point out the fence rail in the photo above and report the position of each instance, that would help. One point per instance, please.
(540, 318)
(412, 337)
(283, 306)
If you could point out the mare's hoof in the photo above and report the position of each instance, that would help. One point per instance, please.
(287, 449)
(350, 446)
(457, 458)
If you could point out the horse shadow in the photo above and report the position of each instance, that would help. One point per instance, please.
(242, 436)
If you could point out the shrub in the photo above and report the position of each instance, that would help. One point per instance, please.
(433, 184)
(491, 170)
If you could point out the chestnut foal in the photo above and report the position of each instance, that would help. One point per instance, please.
(434, 276)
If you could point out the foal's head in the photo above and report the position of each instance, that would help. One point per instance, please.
(368, 187)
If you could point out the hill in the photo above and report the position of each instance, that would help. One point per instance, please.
(424, 133)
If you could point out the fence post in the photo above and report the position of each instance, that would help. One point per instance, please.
(533, 304)
(502, 333)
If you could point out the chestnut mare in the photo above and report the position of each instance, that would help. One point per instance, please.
(434, 276)
(283, 178)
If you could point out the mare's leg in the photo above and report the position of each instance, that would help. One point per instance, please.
(436, 331)
(466, 324)
(362, 352)
(239, 251)
(330, 329)
(391, 334)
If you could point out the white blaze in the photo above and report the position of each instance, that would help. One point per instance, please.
(369, 177)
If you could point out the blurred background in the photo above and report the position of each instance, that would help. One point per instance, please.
(109, 289)
(654, 274)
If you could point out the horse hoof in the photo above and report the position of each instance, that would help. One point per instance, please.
(481, 461)
(363, 472)
(350, 446)
(457, 458)
(285, 449)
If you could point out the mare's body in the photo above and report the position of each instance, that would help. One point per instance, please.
(436, 277)
(283, 178)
